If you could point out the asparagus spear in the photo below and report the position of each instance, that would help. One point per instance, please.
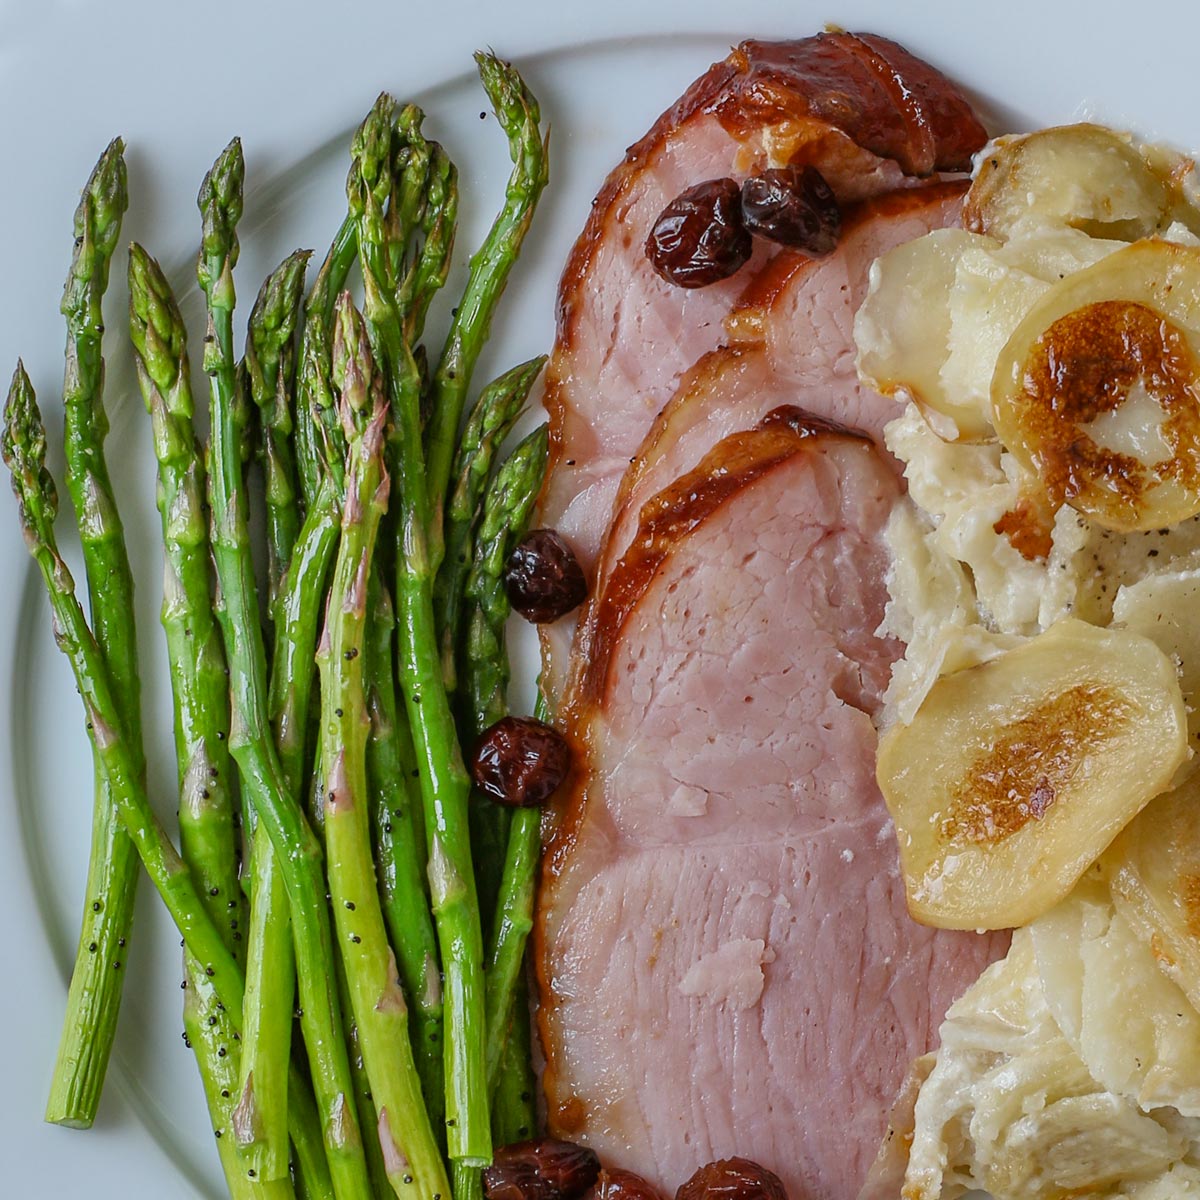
(197, 662)
(261, 1116)
(517, 111)
(514, 1111)
(490, 422)
(400, 848)
(270, 376)
(297, 850)
(293, 670)
(506, 511)
(444, 782)
(380, 1012)
(505, 515)
(97, 978)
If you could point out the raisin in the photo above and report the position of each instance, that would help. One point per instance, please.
(699, 238)
(793, 206)
(615, 1184)
(733, 1179)
(543, 578)
(542, 1169)
(520, 762)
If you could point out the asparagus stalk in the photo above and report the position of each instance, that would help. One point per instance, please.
(490, 422)
(514, 1111)
(197, 663)
(400, 848)
(410, 1150)
(497, 839)
(98, 978)
(261, 1125)
(293, 670)
(517, 111)
(270, 375)
(444, 782)
(24, 451)
(517, 840)
(296, 849)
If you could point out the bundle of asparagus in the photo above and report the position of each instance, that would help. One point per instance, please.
(355, 1034)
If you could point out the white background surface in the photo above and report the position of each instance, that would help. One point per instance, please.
(177, 80)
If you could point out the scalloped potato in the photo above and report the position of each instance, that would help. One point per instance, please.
(1014, 775)
(1084, 176)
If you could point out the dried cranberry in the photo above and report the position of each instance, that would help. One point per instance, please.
(520, 762)
(615, 1184)
(543, 1169)
(699, 237)
(543, 577)
(793, 206)
(733, 1179)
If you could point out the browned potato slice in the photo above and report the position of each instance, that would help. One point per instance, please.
(1155, 866)
(1016, 774)
(1084, 176)
(1097, 392)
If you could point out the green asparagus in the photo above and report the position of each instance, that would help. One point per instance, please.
(514, 842)
(314, 359)
(518, 113)
(414, 1162)
(400, 848)
(98, 978)
(270, 375)
(444, 782)
(261, 1129)
(197, 663)
(410, 1058)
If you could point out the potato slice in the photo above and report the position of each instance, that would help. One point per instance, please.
(1155, 881)
(1016, 774)
(902, 330)
(1097, 392)
(1084, 176)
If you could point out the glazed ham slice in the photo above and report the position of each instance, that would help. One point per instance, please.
(725, 958)
(862, 109)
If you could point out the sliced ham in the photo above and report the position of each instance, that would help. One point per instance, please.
(725, 959)
(868, 114)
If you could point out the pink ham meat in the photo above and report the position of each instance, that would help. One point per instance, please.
(725, 959)
(861, 108)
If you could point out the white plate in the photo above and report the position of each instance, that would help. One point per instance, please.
(293, 80)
